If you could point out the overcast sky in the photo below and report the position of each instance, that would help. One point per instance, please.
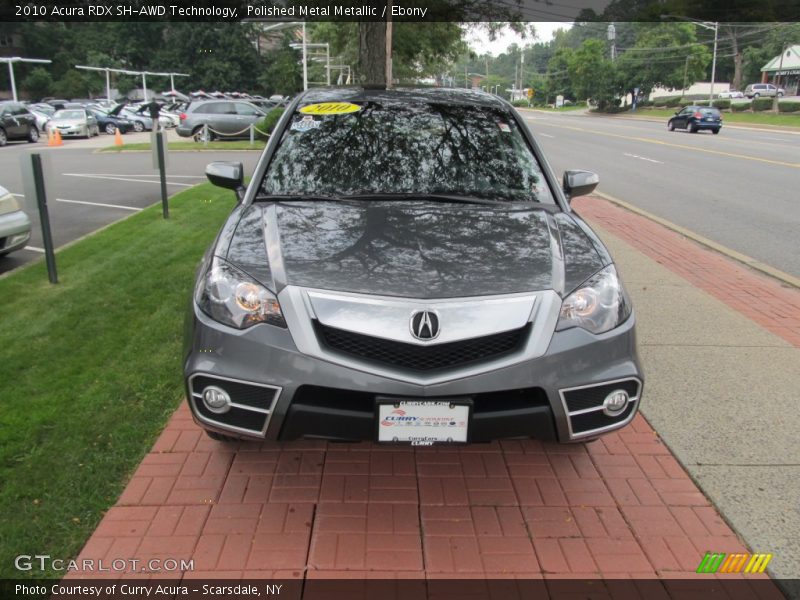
(479, 40)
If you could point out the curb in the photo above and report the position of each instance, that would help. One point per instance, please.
(737, 256)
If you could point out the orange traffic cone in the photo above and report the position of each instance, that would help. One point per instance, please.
(58, 141)
(117, 137)
(51, 138)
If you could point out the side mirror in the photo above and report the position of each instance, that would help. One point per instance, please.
(579, 183)
(228, 175)
(677, 112)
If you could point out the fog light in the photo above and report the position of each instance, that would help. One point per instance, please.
(615, 403)
(216, 399)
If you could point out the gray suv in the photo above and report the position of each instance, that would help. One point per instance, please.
(224, 118)
(755, 90)
(405, 267)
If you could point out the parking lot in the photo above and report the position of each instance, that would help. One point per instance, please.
(87, 189)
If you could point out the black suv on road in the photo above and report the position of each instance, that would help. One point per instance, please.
(17, 123)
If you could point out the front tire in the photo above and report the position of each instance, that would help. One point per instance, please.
(198, 136)
(670, 126)
(715, 131)
(138, 126)
(780, 94)
(3, 137)
(33, 135)
(756, 95)
(691, 128)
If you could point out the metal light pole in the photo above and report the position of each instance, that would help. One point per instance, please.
(15, 59)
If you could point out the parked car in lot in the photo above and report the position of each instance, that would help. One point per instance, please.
(226, 119)
(755, 90)
(110, 123)
(15, 226)
(731, 94)
(405, 267)
(17, 123)
(42, 119)
(139, 121)
(696, 118)
(74, 122)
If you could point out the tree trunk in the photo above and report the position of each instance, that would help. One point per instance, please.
(372, 53)
(737, 59)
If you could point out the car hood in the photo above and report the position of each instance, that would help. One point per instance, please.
(413, 249)
(68, 122)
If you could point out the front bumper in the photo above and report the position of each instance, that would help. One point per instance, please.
(15, 231)
(280, 393)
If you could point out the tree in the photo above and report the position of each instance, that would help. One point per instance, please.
(591, 74)
(664, 55)
(282, 73)
(38, 83)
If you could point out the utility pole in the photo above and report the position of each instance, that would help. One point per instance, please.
(612, 36)
(685, 74)
(778, 77)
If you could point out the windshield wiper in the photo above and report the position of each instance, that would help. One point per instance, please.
(461, 198)
(299, 198)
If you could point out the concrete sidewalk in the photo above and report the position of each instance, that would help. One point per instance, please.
(717, 392)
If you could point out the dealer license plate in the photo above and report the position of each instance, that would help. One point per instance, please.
(423, 422)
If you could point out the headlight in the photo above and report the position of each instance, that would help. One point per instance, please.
(8, 204)
(599, 305)
(231, 297)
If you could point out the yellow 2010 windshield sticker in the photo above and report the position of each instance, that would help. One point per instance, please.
(330, 108)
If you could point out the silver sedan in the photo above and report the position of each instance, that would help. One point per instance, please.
(74, 122)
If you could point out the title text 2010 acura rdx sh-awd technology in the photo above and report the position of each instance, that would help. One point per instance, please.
(404, 267)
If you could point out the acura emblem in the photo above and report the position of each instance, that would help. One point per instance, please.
(424, 325)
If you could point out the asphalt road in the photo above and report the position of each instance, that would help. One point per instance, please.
(87, 190)
(739, 188)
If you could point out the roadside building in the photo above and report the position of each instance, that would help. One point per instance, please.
(784, 70)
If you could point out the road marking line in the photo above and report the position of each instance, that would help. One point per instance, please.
(682, 146)
(34, 249)
(18, 195)
(124, 179)
(652, 160)
(129, 175)
(545, 135)
(738, 256)
(99, 204)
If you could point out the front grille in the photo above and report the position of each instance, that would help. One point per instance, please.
(421, 358)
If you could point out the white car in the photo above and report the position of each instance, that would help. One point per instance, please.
(731, 94)
(15, 226)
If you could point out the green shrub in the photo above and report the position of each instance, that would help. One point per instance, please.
(722, 104)
(788, 106)
(267, 124)
(520, 103)
(701, 103)
(674, 101)
(660, 102)
(760, 104)
(740, 106)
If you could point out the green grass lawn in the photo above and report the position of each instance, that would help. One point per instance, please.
(234, 145)
(759, 118)
(91, 370)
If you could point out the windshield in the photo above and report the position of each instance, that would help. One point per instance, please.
(397, 148)
(70, 114)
